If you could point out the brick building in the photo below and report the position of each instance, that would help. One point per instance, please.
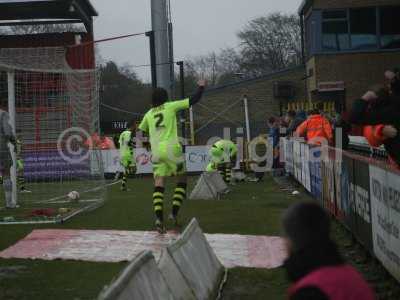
(348, 44)
(268, 95)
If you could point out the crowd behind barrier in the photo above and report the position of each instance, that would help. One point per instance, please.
(361, 193)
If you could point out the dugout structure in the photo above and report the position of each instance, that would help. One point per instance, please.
(50, 87)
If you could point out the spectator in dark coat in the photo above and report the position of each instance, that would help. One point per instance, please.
(295, 120)
(382, 108)
(274, 134)
(315, 266)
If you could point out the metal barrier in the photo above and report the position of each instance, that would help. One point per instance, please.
(187, 270)
(362, 193)
(142, 279)
(197, 262)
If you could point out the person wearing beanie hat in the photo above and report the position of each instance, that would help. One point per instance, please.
(382, 108)
(306, 224)
(314, 264)
(393, 77)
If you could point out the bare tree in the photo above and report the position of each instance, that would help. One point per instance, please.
(230, 65)
(270, 43)
(128, 71)
(216, 68)
(267, 44)
(229, 60)
(204, 66)
(121, 88)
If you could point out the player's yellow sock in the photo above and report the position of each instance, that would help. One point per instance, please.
(179, 197)
(228, 174)
(158, 202)
(223, 170)
(21, 182)
(124, 180)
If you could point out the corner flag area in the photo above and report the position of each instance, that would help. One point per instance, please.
(250, 210)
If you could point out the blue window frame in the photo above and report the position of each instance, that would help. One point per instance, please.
(363, 28)
(389, 24)
(352, 30)
(335, 30)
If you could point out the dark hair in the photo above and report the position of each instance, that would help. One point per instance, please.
(306, 223)
(383, 96)
(291, 113)
(159, 97)
(132, 123)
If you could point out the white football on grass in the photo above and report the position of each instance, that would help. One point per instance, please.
(73, 196)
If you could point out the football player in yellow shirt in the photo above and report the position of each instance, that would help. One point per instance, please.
(223, 159)
(160, 123)
(127, 154)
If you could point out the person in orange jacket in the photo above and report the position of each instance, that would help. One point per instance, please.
(99, 142)
(106, 143)
(316, 128)
(377, 135)
(374, 135)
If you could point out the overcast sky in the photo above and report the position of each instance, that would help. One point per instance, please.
(200, 26)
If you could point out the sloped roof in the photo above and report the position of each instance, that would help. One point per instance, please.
(304, 5)
(253, 79)
(12, 10)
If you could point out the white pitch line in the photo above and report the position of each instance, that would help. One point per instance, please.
(87, 191)
(28, 222)
(69, 201)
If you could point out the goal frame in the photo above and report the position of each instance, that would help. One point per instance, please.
(12, 115)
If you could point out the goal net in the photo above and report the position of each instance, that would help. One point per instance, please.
(56, 121)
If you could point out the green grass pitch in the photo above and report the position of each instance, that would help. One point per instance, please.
(252, 208)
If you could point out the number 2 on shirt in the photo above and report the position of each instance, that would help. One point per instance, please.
(159, 120)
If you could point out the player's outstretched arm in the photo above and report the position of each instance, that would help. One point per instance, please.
(199, 93)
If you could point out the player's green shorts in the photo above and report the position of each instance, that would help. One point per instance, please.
(212, 167)
(127, 160)
(168, 160)
(20, 165)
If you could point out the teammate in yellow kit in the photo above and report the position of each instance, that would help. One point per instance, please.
(160, 123)
(127, 154)
(223, 158)
(20, 168)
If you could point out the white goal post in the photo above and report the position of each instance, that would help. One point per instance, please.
(11, 112)
(54, 112)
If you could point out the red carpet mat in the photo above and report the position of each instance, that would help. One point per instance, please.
(115, 246)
